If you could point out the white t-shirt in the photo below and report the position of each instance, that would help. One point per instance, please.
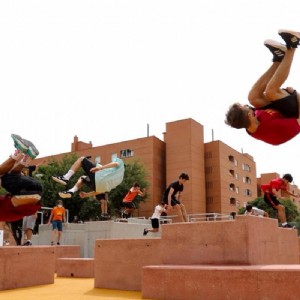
(255, 212)
(108, 179)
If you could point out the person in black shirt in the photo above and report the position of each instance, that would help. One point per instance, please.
(172, 196)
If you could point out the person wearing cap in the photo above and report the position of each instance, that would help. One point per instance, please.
(57, 217)
(272, 192)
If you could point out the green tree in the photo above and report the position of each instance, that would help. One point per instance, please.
(86, 209)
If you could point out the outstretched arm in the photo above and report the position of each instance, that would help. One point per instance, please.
(99, 168)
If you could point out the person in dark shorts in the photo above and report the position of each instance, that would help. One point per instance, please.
(172, 197)
(127, 201)
(274, 114)
(159, 209)
(57, 218)
(100, 179)
(272, 191)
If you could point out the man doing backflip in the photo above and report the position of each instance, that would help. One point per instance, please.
(274, 118)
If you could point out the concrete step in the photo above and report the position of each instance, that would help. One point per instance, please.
(194, 282)
(75, 267)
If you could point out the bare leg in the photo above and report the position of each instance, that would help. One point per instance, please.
(256, 95)
(281, 213)
(77, 164)
(7, 165)
(183, 211)
(273, 90)
(25, 200)
(179, 212)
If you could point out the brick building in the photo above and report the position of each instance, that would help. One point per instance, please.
(221, 178)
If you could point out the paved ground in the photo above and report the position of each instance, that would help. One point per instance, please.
(68, 289)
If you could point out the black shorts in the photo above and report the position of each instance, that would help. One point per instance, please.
(18, 184)
(288, 105)
(101, 196)
(86, 165)
(155, 223)
(271, 200)
(129, 205)
(174, 202)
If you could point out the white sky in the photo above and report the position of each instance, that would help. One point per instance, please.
(103, 70)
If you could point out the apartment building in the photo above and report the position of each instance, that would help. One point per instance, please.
(230, 178)
(221, 178)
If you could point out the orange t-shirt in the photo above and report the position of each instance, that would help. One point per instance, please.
(132, 193)
(58, 213)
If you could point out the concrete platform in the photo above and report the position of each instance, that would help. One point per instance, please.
(75, 267)
(260, 282)
(247, 240)
(26, 266)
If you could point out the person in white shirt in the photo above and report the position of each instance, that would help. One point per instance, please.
(159, 209)
(254, 211)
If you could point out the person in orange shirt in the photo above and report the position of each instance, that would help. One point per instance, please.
(57, 217)
(128, 199)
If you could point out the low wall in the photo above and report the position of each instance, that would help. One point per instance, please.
(26, 266)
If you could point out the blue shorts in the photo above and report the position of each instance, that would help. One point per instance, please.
(57, 225)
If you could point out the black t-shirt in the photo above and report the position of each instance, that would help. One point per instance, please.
(177, 188)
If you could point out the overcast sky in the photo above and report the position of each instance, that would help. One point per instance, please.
(103, 70)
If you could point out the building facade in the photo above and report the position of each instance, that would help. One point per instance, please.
(221, 178)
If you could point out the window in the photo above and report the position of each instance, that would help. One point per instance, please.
(232, 187)
(246, 167)
(114, 155)
(98, 159)
(208, 155)
(232, 201)
(126, 153)
(247, 180)
(231, 172)
(247, 192)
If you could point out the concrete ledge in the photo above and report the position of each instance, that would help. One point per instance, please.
(118, 263)
(66, 251)
(26, 266)
(268, 282)
(75, 267)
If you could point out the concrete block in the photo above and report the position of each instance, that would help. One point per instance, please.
(260, 282)
(26, 266)
(75, 267)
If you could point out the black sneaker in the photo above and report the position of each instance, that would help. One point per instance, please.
(65, 194)
(145, 231)
(291, 38)
(60, 179)
(287, 225)
(28, 243)
(58, 243)
(278, 50)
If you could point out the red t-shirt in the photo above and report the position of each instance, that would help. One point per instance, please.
(274, 128)
(277, 184)
(9, 213)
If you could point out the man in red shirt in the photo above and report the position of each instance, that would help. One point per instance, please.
(274, 118)
(272, 191)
